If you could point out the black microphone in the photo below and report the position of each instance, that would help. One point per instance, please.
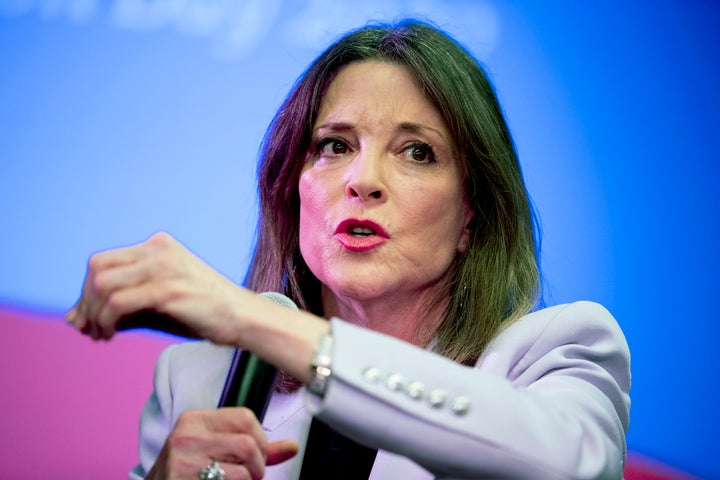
(250, 380)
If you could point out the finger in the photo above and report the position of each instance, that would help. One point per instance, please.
(241, 449)
(138, 294)
(111, 281)
(74, 316)
(238, 419)
(281, 451)
(117, 256)
(98, 263)
(184, 465)
(191, 437)
(134, 307)
(248, 437)
(231, 449)
(71, 315)
(240, 472)
(225, 420)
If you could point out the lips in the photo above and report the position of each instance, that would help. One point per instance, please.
(360, 235)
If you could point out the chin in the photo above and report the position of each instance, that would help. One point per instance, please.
(356, 292)
(357, 287)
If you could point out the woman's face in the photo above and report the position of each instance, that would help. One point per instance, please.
(382, 206)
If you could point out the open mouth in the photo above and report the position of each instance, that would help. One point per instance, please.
(361, 228)
(361, 232)
(360, 235)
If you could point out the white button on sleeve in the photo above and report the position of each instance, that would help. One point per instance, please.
(460, 405)
(437, 398)
(395, 382)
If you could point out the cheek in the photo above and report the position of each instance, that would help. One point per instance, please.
(309, 193)
(447, 214)
(306, 208)
(313, 206)
(313, 192)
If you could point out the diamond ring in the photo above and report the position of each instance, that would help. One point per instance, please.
(212, 472)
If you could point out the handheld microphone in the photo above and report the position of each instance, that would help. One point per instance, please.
(250, 380)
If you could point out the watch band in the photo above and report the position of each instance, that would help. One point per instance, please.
(321, 366)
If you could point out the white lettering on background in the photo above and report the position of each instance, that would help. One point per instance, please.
(236, 28)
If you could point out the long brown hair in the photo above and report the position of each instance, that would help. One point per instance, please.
(496, 280)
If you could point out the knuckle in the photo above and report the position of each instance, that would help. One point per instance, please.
(99, 281)
(245, 449)
(161, 262)
(264, 446)
(189, 417)
(247, 445)
(180, 439)
(95, 262)
(177, 463)
(245, 416)
(161, 239)
(114, 304)
(258, 471)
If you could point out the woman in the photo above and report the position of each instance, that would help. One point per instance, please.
(393, 205)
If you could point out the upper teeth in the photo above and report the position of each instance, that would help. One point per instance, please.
(361, 231)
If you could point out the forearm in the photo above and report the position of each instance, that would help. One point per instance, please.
(555, 416)
(284, 337)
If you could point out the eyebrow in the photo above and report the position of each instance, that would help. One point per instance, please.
(411, 127)
(334, 126)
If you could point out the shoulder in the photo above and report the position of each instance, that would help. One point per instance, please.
(580, 322)
(577, 346)
(560, 336)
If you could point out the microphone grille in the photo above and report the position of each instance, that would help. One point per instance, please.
(280, 299)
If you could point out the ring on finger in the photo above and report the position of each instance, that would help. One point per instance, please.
(212, 472)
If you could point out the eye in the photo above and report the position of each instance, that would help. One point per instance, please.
(330, 147)
(420, 152)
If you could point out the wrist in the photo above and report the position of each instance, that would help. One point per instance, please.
(321, 366)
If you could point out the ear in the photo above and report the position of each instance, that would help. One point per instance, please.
(465, 232)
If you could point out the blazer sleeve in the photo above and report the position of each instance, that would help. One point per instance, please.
(549, 398)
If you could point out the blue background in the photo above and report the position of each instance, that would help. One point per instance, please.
(121, 118)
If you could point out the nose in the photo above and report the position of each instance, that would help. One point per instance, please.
(364, 178)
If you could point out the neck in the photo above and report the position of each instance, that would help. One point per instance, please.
(412, 317)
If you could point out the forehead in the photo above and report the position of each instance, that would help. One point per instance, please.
(380, 91)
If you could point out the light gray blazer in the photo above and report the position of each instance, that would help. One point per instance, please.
(548, 399)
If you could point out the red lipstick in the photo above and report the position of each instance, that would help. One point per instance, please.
(360, 235)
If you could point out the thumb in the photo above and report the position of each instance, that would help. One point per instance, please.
(280, 451)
